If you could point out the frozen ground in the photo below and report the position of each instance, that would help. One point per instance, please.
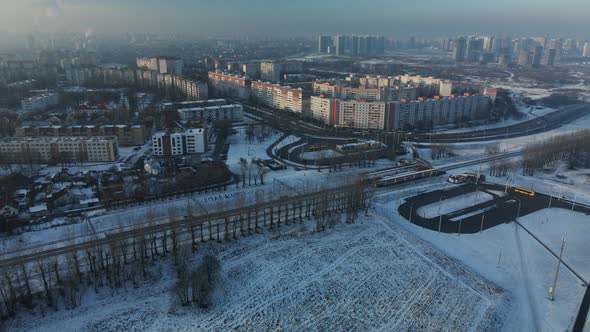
(453, 204)
(371, 275)
(316, 155)
(240, 147)
(508, 256)
(288, 140)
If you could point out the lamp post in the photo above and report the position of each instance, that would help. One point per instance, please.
(482, 217)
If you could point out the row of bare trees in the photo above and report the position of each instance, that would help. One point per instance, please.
(122, 261)
(573, 148)
(440, 151)
(252, 169)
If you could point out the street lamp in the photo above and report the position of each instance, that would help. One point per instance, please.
(482, 217)
(439, 214)
(518, 211)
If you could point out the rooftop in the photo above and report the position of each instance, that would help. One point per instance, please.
(56, 139)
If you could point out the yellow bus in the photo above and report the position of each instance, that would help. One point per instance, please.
(524, 192)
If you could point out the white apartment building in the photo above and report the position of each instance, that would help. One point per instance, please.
(196, 140)
(403, 114)
(40, 103)
(59, 149)
(586, 51)
(233, 112)
(178, 144)
(162, 64)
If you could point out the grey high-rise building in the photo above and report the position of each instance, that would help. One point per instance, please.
(460, 49)
(586, 51)
(474, 48)
(340, 44)
(359, 45)
(537, 56)
(324, 43)
(550, 57)
(524, 58)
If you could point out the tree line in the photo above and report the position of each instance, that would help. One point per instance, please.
(572, 148)
(122, 261)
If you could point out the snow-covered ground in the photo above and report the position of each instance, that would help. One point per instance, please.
(370, 275)
(288, 140)
(453, 204)
(240, 147)
(508, 256)
(316, 155)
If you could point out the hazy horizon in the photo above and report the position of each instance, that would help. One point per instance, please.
(393, 18)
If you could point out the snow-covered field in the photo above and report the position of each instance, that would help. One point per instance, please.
(508, 256)
(453, 204)
(370, 275)
(317, 155)
(240, 147)
(288, 140)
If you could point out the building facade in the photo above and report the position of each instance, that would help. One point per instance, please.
(40, 103)
(177, 144)
(403, 114)
(278, 96)
(144, 78)
(126, 135)
(230, 84)
(58, 149)
(161, 64)
(206, 110)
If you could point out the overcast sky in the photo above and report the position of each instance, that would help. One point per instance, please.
(300, 17)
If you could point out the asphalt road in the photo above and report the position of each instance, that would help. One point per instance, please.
(502, 209)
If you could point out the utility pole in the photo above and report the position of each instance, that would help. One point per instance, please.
(439, 215)
(550, 198)
(499, 257)
(460, 223)
(481, 226)
(574, 202)
(552, 289)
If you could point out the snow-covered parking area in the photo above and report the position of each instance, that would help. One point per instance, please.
(370, 275)
(454, 204)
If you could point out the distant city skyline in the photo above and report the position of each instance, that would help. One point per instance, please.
(393, 18)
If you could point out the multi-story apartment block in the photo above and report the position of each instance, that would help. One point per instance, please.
(403, 114)
(426, 113)
(161, 64)
(251, 69)
(273, 70)
(126, 135)
(379, 91)
(40, 103)
(207, 110)
(58, 149)
(358, 45)
(270, 71)
(278, 96)
(230, 84)
(150, 79)
(178, 144)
